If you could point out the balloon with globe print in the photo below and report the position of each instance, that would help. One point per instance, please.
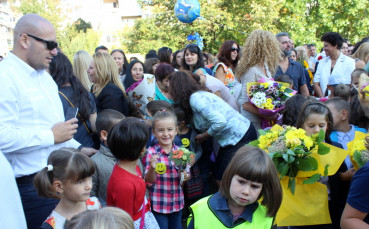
(187, 10)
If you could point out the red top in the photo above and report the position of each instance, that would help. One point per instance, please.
(127, 191)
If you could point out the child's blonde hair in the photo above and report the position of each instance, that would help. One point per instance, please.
(104, 218)
(164, 114)
(65, 164)
(255, 165)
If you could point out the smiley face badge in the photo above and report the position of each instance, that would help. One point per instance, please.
(185, 142)
(161, 168)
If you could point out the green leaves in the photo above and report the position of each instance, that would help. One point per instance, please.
(309, 164)
(323, 149)
(254, 143)
(314, 178)
(357, 158)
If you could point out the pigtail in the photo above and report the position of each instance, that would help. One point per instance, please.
(43, 183)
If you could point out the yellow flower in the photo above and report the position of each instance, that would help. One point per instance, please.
(269, 104)
(265, 85)
(308, 142)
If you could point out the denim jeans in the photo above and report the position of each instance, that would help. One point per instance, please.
(169, 221)
(36, 209)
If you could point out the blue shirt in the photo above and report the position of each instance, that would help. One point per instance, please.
(218, 118)
(358, 197)
(218, 205)
(344, 138)
(296, 72)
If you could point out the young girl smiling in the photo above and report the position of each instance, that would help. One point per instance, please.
(162, 175)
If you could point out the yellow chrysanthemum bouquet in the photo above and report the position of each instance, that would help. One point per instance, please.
(301, 160)
(359, 153)
(292, 151)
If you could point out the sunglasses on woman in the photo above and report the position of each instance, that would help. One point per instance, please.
(49, 44)
(235, 49)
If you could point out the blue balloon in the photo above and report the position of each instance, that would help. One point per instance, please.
(187, 10)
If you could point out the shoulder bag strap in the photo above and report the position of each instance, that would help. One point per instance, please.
(84, 123)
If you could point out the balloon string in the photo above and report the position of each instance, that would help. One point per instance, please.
(222, 25)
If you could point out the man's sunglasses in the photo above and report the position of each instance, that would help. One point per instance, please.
(235, 49)
(49, 44)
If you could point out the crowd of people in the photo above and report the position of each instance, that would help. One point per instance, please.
(109, 165)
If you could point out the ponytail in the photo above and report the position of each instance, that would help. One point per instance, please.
(43, 184)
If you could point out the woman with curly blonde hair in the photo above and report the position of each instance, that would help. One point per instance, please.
(260, 56)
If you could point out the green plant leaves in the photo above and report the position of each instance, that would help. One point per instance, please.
(308, 164)
(357, 158)
(314, 178)
(323, 149)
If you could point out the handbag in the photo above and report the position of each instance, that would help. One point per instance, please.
(84, 123)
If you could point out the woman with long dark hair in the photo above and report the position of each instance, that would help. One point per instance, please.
(228, 57)
(73, 94)
(212, 116)
(193, 60)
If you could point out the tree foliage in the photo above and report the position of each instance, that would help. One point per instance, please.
(305, 20)
(71, 38)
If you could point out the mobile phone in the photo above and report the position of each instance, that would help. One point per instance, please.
(71, 113)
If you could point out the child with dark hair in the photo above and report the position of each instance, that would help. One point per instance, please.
(67, 177)
(342, 91)
(194, 187)
(358, 117)
(104, 159)
(314, 117)
(292, 107)
(343, 132)
(285, 79)
(250, 176)
(126, 187)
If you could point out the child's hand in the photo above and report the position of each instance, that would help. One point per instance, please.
(347, 175)
(186, 176)
(153, 161)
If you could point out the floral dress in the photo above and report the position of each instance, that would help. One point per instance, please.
(230, 81)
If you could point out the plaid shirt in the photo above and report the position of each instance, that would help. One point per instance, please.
(166, 192)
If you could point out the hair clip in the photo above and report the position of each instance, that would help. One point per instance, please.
(163, 110)
(50, 168)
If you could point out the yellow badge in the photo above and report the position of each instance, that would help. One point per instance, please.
(160, 168)
(185, 142)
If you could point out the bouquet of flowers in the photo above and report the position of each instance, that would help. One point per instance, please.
(183, 159)
(359, 153)
(269, 96)
(293, 152)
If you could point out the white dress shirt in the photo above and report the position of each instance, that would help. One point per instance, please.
(29, 108)
(12, 214)
(341, 72)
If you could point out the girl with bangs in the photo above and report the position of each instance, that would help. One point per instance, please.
(68, 177)
(250, 176)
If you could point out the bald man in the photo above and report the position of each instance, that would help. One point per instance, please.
(32, 119)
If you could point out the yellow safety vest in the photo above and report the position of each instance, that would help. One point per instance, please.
(204, 218)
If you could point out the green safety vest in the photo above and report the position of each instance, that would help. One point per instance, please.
(203, 217)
